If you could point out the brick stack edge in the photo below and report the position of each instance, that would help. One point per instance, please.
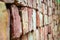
(28, 20)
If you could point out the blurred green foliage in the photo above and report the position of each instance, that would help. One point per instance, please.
(58, 1)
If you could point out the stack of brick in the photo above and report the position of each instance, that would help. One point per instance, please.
(4, 22)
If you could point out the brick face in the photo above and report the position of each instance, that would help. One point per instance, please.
(25, 20)
(3, 22)
(30, 12)
(16, 27)
(29, 20)
(37, 19)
